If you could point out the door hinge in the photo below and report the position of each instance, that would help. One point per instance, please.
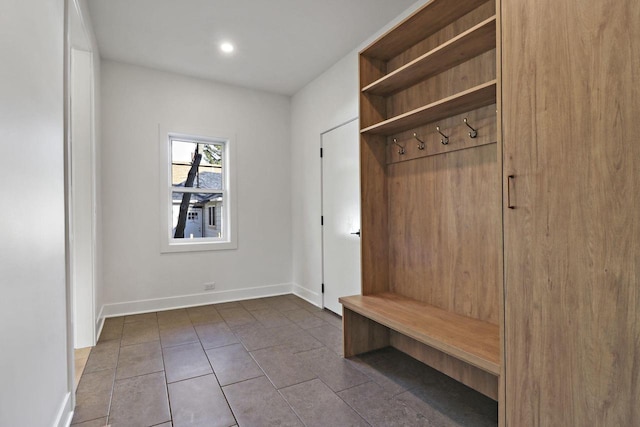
(320, 151)
(321, 220)
(323, 288)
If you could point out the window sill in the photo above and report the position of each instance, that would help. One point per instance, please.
(199, 245)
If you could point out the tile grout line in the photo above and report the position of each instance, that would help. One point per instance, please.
(347, 403)
(213, 371)
(115, 374)
(370, 378)
(289, 404)
(164, 370)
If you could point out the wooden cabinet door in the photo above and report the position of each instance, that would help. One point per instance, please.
(571, 135)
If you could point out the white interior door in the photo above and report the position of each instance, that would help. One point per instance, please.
(341, 214)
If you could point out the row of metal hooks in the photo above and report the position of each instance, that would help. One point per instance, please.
(444, 140)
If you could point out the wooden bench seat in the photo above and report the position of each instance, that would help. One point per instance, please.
(472, 341)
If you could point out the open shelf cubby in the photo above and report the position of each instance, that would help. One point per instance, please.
(471, 99)
(471, 43)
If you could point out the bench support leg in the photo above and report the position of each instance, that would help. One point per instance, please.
(361, 334)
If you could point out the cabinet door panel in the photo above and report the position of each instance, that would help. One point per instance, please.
(571, 135)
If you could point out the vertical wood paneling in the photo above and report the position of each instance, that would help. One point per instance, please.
(373, 192)
(571, 103)
(444, 227)
(502, 418)
(372, 107)
(374, 215)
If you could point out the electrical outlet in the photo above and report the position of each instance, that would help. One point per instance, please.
(209, 286)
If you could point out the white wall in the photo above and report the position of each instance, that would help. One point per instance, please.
(137, 276)
(34, 374)
(328, 101)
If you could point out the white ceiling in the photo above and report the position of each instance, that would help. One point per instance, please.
(281, 45)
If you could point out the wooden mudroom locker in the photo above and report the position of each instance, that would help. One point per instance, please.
(500, 191)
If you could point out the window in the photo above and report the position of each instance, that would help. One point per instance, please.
(198, 202)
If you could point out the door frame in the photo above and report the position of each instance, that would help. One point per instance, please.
(346, 122)
(75, 26)
(85, 337)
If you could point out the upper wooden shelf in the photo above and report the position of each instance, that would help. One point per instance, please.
(426, 21)
(472, 341)
(473, 42)
(471, 99)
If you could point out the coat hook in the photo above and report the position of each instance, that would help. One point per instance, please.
(401, 151)
(445, 138)
(473, 132)
(420, 142)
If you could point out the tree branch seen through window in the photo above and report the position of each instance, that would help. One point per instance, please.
(186, 197)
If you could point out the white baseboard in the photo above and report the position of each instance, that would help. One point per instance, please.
(65, 413)
(307, 295)
(193, 300)
(99, 323)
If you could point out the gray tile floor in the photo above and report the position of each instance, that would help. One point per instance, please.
(264, 362)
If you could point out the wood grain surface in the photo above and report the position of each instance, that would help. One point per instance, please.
(478, 379)
(471, 43)
(431, 218)
(470, 340)
(427, 20)
(571, 128)
(444, 231)
(476, 97)
(362, 334)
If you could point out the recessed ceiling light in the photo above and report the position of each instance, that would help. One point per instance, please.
(226, 47)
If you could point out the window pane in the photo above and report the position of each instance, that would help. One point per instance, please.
(182, 151)
(193, 223)
(212, 154)
(209, 173)
(209, 177)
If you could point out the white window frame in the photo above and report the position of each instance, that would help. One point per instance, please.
(228, 211)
